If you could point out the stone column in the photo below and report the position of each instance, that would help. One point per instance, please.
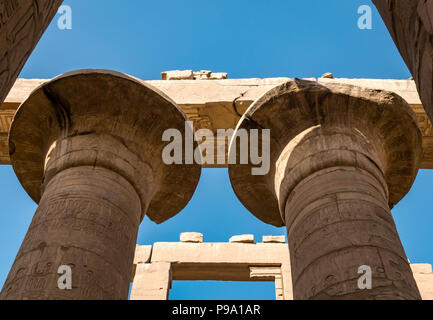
(342, 157)
(22, 23)
(87, 147)
(410, 24)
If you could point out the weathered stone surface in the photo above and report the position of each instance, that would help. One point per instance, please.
(212, 261)
(152, 281)
(177, 75)
(222, 261)
(193, 75)
(244, 238)
(342, 156)
(218, 76)
(410, 25)
(424, 279)
(212, 253)
(194, 237)
(407, 90)
(93, 163)
(328, 75)
(22, 24)
(274, 239)
(421, 268)
(202, 75)
(142, 254)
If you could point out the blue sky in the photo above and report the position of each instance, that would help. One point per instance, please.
(246, 38)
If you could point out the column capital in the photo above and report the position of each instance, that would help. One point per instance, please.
(374, 130)
(107, 119)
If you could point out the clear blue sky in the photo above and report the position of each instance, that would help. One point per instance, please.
(246, 38)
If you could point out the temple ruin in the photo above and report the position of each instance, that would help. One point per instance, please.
(86, 146)
(240, 259)
(85, 134)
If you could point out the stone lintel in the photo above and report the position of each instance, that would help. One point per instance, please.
(142, 254)
(268, 273)
(273, 274)
(218, 104)
(219, 261)
(215, 253)
(234, 262)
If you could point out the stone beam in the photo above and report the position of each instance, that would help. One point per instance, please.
(218, 104)
(219, 261)
(158, 265)
(341, 157)
(209, 261)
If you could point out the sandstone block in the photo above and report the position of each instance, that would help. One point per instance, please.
(177, 75)
(193, 237)
(421, 268)
(245, 238)
(274, 239)
(142, 254)
(218, 76)
(202, 75)
(328, 75)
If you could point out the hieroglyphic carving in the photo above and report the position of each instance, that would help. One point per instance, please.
(410, 25)
(6, 117)
(22, 23)
(199, 121)
(425, 125)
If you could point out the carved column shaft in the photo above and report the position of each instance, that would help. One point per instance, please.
(338, 220)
